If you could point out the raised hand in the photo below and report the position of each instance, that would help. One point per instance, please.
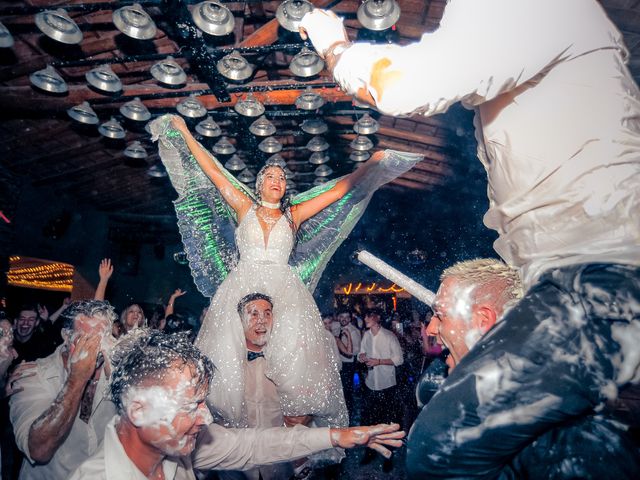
(43, 312)
(179, 124)
(105, 270)
(177, 293)
(376, 437)
(324, 29)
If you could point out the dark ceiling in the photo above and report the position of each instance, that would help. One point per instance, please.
(41, 145)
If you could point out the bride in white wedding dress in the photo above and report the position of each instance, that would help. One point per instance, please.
(299, 358)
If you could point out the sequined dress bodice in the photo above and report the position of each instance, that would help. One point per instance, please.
(250, 240)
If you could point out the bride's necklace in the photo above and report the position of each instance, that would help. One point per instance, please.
(264, 203)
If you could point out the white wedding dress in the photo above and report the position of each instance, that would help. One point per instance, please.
(299, 358)
(229, 261)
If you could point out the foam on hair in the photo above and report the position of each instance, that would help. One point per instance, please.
(488, 274)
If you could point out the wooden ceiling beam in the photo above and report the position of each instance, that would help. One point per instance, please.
(26, 99)
(81, 147)
(268, 33)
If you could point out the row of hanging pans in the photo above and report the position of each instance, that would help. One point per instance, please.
(168, 72)
(211, 17)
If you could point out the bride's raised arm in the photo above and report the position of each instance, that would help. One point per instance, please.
(305, 210)
(233, 196)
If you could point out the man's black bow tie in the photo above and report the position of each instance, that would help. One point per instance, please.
(253, 355)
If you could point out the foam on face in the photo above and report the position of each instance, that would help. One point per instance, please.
(461, 302)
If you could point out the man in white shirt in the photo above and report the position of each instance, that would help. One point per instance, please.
(349, 347)
(380, 351)
(558, 130)
(261, 398)
(60, 414)
(159, 385)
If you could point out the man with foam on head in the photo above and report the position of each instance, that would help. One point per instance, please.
(261, 398)
(59, 414)
(473, 297)
(558, 130)
(159, 386)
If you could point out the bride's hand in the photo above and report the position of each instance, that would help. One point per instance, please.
(179, 124)
(377, 157)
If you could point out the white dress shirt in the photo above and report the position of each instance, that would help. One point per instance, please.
(557, 121)
(39, 392)
(263, 410)
(356, 339)
(382, 345)
(218, 448)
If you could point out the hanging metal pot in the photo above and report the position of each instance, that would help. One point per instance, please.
(6, 39)
(168, 71)
(134, 22)
(135, 110)
(235, 164)
(323, 171)
(224, 147)
(249, 107)
(309, 100)
(277, 159)
(246, 176)
(48, 80)
(320, 181)
(306, 63)
(234, 67)
(270, 145)
(135, 150)
(191, 107)
(359, 156)
(379, 14)
(366, 125)
(213, 18)
(208, 128)
(112, 129)
(290, 13)
(314, 126)
(156, 171)
(262, 127)
(361, 143)
(318, 144)
(318, 158)
(83, 113)
(102, 78)
(59, 26)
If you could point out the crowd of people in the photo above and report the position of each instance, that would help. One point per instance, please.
(57, 367)
(540, 348)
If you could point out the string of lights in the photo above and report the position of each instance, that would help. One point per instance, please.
(360, 288)
(49, 276)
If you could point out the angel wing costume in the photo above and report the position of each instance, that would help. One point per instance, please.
(229, 261)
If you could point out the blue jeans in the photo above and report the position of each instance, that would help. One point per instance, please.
(551, 361)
